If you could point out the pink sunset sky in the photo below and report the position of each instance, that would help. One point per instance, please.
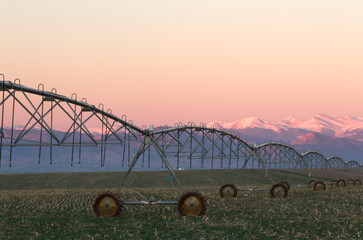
(161, 62)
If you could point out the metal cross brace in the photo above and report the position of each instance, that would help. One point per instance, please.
(150, 141)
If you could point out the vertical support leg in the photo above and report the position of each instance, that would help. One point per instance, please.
(244, 165)
(80, 139)
(222, 153)
(12, 130)
(124, 148)
(2, 120)
(238, 154)
(143, 159)
(128, 148)
(177, 153)
(73, 134)
(264, 167)
(105, 147)
(202, 152)
(166, 162)
(162, 147)
(212, 150)
(302, 161)
(102, 141)
(137, 155)
(148, 157)
(51, 138)
(41, 132)
(191, 148)
(230, 153)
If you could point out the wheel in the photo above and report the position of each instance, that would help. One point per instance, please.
(312, 182)
(357, 182)
(333, 183)
(319, 186)
(107, 204)
(278, 191)
(286, 184)
(350, 181)
(341, 183)
(228, 190)
(192, 204)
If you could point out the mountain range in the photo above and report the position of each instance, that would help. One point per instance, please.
(341, 136)
(332, 136)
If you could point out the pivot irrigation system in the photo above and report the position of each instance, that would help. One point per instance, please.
(35, 119)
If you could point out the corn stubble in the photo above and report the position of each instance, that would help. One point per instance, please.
(67, 214)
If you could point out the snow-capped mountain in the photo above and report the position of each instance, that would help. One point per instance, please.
(252, 122)
(340, 136)
(342, 126)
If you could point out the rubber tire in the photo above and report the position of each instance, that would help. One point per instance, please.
(350, 181)
(312, 182)
(228, 185)
(357, 183)
(316, 184)
(341, 181)
(187, 195)
(103, 195)
(286, 184)
(278, 185)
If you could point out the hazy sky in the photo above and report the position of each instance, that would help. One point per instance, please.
(161, 62)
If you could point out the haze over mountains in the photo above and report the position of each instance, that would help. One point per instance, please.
(341, 136)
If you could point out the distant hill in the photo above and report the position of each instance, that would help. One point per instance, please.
(341, 136)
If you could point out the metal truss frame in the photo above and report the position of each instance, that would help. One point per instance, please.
(192, 145)
(41, 106)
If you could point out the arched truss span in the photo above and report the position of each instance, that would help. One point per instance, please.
(200, 146)
(40, 115)
(44, 119)
(337, 163)
(47, 119)
(316, 160)
(353, 165)
(279, 155)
